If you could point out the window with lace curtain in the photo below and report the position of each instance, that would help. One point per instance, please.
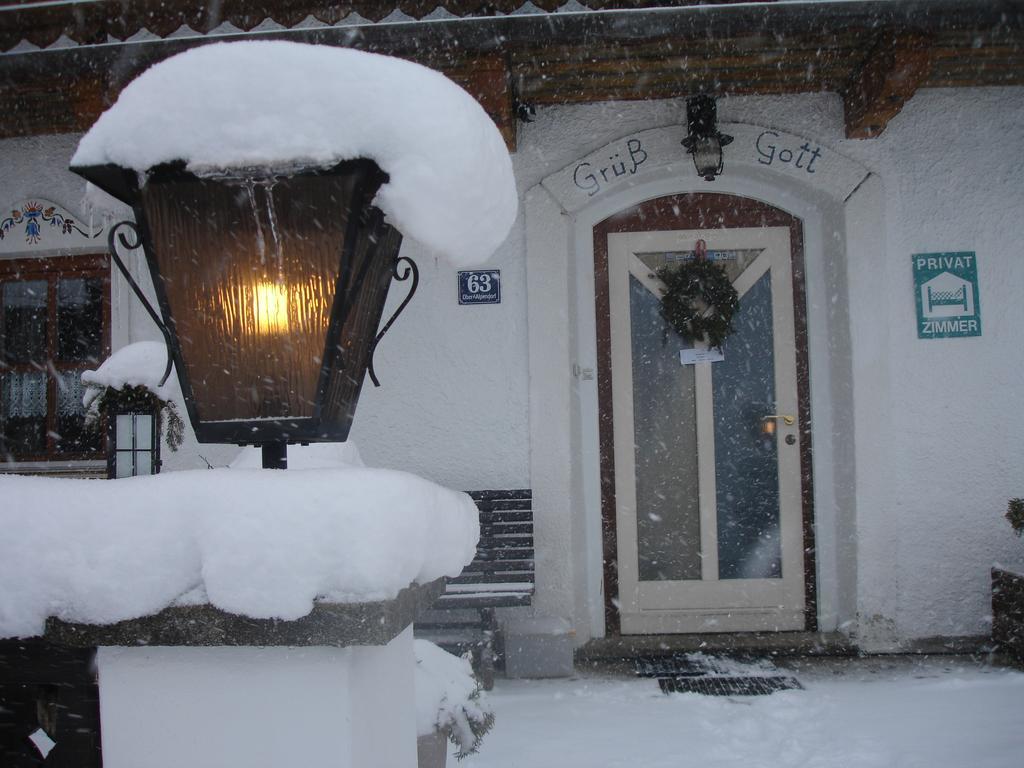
(54, 324)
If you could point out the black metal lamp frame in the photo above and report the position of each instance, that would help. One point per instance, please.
(272, 434)
(702, 124)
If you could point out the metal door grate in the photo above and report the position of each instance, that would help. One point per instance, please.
(728, 686)
(714, 676)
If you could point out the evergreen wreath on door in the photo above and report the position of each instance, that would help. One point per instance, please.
(699, 301)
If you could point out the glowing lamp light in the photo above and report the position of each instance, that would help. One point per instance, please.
(269, 307)
(271, 287)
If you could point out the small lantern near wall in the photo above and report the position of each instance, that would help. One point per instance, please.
(133, 443)
(704, 141)
(122, 394)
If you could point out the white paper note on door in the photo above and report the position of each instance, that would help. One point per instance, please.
(694, 356)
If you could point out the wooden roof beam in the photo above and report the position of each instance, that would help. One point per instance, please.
(30, 104)
(892, 72)
(488, 79)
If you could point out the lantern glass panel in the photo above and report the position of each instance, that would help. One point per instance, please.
(707, 156)
(143, 462)
(124, 464)
(124, 431)
(249, 268)
(143, 432)
(135, 450)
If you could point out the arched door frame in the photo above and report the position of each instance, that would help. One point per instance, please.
(565, 455)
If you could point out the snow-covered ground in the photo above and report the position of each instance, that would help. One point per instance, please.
(882, 713)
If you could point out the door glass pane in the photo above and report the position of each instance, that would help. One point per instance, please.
(734, 262)
(80, 319)
(746, 465)
(24, 322)
(665, 437)
(22, 414)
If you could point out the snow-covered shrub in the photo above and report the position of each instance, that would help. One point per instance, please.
(449, 697)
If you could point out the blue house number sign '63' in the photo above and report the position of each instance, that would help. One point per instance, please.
(481, 286)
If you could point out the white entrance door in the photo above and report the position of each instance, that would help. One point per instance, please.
(708, 500)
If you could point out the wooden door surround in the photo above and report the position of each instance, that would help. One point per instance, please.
(695, 211)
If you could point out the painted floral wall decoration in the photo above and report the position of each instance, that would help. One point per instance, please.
(32, 216)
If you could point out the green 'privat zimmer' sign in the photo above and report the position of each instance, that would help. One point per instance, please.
(946, 292)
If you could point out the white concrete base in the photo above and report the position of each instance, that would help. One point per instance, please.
(539, 647)
(220, 707)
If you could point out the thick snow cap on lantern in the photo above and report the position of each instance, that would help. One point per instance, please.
(281, 105)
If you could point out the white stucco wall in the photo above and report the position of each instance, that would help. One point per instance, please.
(923, 454)
(452, 404)
(950, 450)
(926, 513)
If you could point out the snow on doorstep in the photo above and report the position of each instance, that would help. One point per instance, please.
(141, 364)
(261, 543)
(444, 692)
(278, 104)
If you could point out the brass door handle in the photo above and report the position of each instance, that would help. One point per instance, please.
(769, 423)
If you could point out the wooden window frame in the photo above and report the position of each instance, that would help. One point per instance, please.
(51, 269)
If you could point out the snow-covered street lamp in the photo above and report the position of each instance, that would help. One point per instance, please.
(269, 209)
(271, 285)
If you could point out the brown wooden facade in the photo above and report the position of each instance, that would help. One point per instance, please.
(875, 54)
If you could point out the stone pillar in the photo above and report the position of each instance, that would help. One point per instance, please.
(167, 707)
(194, 686)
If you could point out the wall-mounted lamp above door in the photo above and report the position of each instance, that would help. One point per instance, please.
(704, 141)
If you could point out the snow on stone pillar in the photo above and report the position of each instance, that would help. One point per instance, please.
(239, 611)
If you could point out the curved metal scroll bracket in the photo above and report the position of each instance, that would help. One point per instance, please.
(411, 270)
(115, 236)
